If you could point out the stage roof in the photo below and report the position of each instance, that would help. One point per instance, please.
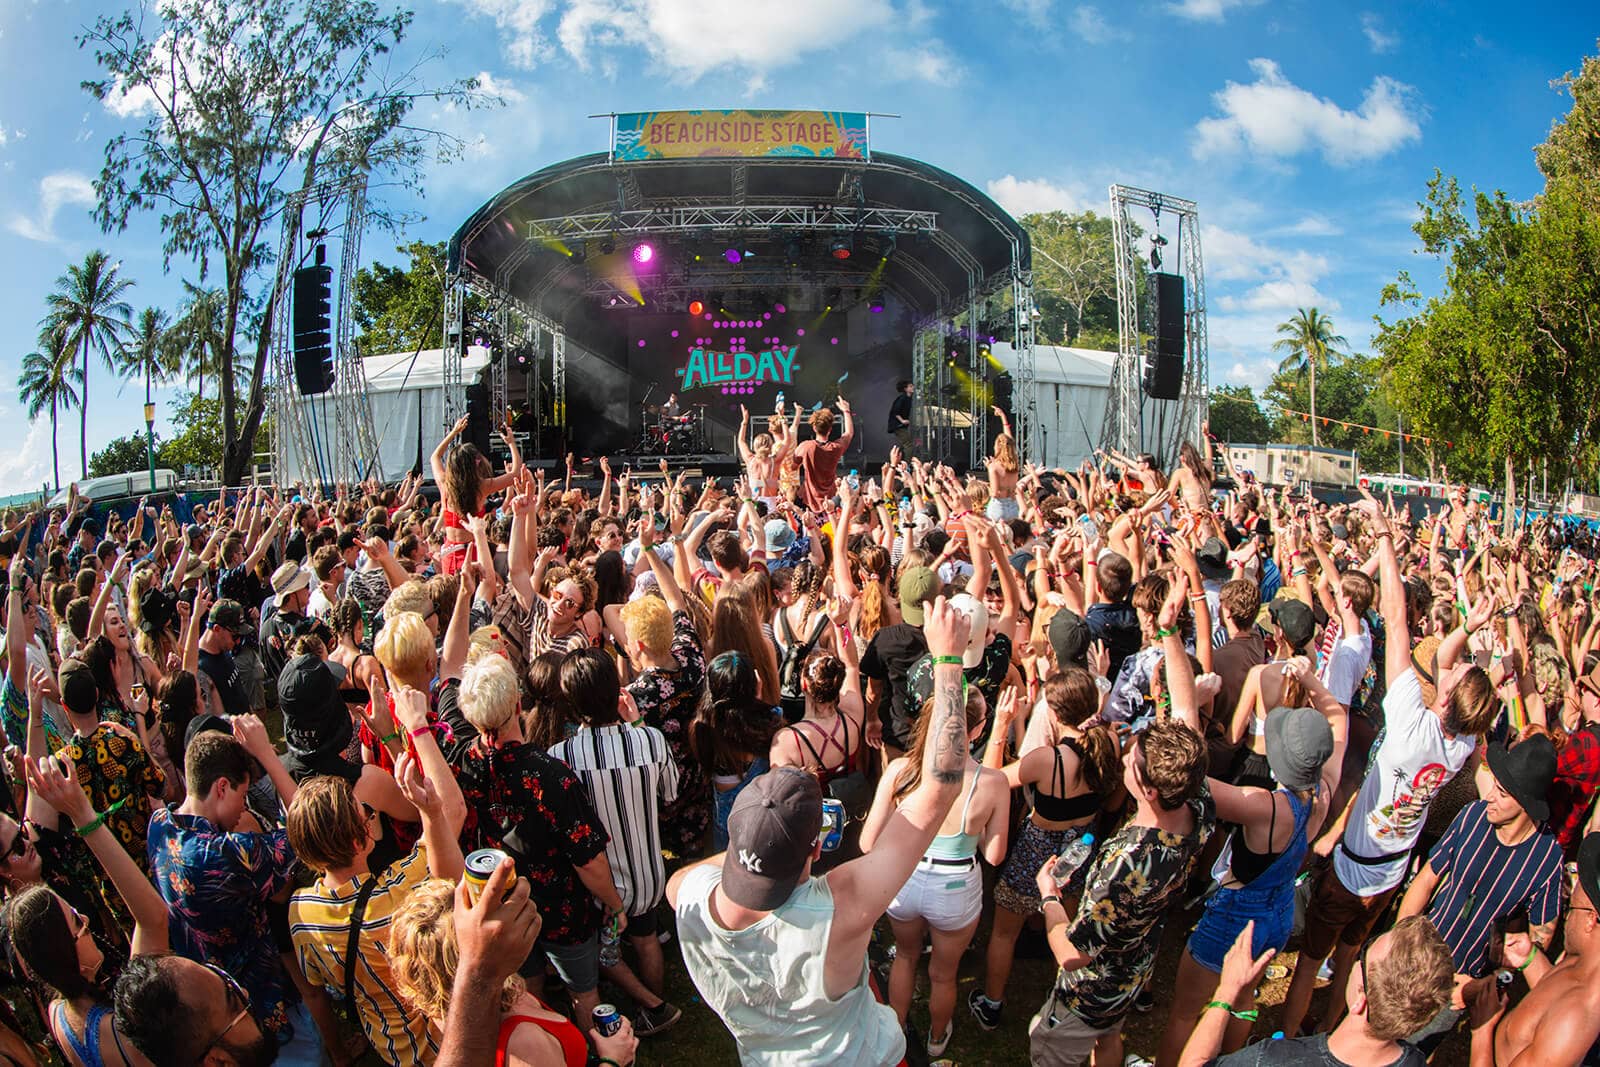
(543, 239)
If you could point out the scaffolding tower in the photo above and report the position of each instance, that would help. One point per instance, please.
(1134, 422)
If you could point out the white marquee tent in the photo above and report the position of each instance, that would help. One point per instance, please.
(407, 396)
(1070, 389)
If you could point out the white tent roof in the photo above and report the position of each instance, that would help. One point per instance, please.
(1058, 365)
(394, 371)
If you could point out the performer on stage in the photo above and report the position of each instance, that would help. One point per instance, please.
(900, 415)
(669, 410)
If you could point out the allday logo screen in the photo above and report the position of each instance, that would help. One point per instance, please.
(734, 356)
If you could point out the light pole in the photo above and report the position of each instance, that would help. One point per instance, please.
(150, 438)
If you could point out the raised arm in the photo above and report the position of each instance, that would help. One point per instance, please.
(55, 782)
(1175, 658)
(665, 580)
(436, 460)
(458, 634)
(849, 432)
(864, 887)
(1391, 594)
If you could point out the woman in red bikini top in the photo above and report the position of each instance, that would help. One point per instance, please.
(422, 959)
(466, 479)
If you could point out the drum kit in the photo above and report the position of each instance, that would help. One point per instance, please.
(666, 432)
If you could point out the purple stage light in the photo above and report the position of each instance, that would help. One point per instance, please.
(834, 341)
(800, 332)
(643, 253)
(732, 255)
(641, 342)
(779, 308)
(674, 333)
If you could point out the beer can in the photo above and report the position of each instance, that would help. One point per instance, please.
(832, 824)
(479, 866)
(607, 1020)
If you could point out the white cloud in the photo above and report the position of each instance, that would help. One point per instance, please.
(688, 39)
(1087, 22)
(1033, 12)
(929, 62)
(1312, 225)
(1273, 117)
(495, 139)
(1025, 196)
(26, 467)
(1254, 287)
(55, 191)
(1379, 40)
(1207, 10)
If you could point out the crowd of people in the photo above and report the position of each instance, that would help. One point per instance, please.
(803, 733)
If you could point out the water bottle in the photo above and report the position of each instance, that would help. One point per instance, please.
(855, 480)
(1073, 865)
(610, 943)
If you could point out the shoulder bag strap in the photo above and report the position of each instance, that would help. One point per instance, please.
(353, 944)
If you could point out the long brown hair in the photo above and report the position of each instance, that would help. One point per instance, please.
(874, 564)
(910, 775)
(1073, 698)
(735, 627)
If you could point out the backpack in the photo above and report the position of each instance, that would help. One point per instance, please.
(794, 659)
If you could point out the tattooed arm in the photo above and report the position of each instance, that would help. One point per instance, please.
(863, 888)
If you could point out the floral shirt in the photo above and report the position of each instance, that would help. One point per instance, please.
(217, 887)
(114, 767)
(515, 791)
(668, 701)
(1137, 878)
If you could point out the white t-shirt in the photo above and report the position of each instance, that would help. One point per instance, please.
(1343, 668)
(1413, 763)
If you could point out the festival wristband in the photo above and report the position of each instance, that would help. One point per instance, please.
(1529, 960)
(1249, 1016)
(440, 728)
(939, 661)
(99, 820)
(386, 738)
(1053, 898)
(1167, 632)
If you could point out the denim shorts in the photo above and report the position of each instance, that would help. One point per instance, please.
(1220, 924)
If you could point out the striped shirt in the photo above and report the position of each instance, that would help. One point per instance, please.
(319, 925)
(1485, 879)
(628, 771)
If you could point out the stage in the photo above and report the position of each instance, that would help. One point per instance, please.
(735, 275)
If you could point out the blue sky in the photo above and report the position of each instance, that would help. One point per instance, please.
(1306, 131)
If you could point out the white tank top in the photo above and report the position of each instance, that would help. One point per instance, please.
(767, 984)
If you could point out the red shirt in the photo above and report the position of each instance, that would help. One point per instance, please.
(819, 470)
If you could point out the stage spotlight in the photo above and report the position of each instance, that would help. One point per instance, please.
(732, 255)
(840, 249)
(579, 253)
(875, 305)
(608, 246)
(643, 253)
(697, 308)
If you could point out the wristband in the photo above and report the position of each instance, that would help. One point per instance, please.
(441, 728)
(604, 1062)
(386, 738)
(1529, 960)
(1091, 563)
(1249, 1016)
(939, 661)
(1167, 632)
(1053, 898)
(99, 820)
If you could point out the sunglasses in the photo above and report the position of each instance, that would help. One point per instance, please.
(236, 997)
(18, 847)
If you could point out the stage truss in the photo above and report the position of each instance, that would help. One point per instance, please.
(1134, 423)
(341, 443)
(958, 435)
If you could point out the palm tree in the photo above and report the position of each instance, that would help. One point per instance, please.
(87, 314)
(197, 335)
(1312, 346)
(47, 381)
(151, 351)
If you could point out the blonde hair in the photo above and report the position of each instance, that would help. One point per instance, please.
(650, 623)
(485, 641)
(1005, 453)
(404, 645)
(977, 494)
(489, 696)
(423, 954)
(412, 596)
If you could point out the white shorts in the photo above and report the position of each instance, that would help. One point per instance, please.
(946, 897)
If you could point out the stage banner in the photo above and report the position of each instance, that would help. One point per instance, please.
(641, 136)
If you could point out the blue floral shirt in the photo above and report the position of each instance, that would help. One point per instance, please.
(217, 886)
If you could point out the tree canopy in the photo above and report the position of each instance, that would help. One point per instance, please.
(240, 103)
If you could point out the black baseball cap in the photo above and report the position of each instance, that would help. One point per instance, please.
(772, 833)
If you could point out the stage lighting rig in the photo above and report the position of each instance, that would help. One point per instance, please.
(841, 248)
